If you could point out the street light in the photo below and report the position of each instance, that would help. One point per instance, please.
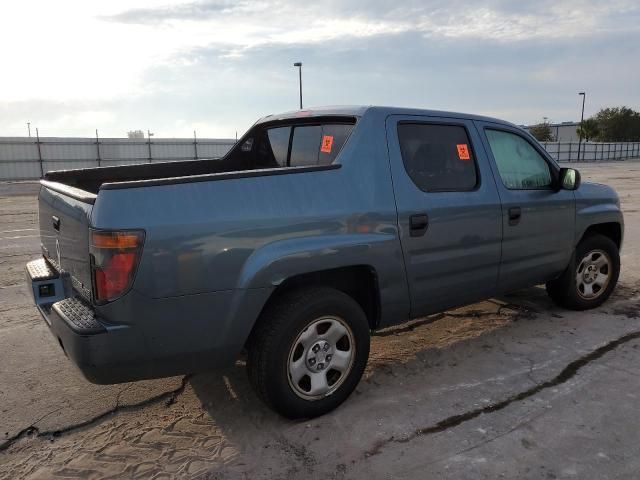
(584, 96)
(299, 65)
(29, 128)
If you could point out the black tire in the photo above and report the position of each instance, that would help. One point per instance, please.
(278, 330)
(566, 291)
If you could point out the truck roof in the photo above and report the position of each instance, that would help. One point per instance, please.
(361, 110)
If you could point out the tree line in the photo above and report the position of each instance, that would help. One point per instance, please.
(612, 124)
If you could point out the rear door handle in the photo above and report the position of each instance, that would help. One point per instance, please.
(514, 215)
(418, 224)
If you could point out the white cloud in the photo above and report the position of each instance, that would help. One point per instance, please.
(111, 64)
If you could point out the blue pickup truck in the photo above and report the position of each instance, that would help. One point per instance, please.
(317, 228)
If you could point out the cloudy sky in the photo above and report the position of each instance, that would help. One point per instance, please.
(71, 66)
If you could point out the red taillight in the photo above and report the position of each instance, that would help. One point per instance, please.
(115, 257)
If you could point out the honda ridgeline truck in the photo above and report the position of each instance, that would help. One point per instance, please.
(317, 228)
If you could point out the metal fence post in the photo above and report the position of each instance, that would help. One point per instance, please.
(39, 153)
(569, 159)
(97, 147)
(195, 145)
(149, 144)
(558, 151)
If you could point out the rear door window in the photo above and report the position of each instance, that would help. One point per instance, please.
(438, 158)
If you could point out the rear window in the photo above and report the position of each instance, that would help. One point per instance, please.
(317, 144)
(295, 145)
(279, 142)
(437, 157)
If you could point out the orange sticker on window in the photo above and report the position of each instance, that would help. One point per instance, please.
(463, 151)
(327, 143)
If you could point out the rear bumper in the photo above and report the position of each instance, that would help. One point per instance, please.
(104, 354)
(137, 337)
(95, 354)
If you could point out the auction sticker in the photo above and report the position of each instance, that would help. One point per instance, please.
(327, 143)
(463, 151)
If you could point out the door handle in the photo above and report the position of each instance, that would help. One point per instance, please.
(418, 224)
(514, 215)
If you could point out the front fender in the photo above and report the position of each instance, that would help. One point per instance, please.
(596, 204)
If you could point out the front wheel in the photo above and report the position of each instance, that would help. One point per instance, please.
(308, 352)
(591, 276)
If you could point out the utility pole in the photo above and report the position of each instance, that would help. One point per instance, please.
(299, 65)
(584, 96)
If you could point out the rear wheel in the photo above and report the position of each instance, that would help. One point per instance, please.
(308, 352)
(591, 276)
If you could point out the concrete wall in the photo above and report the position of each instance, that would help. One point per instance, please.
(29, 157)
(592, 151)
(23, 158)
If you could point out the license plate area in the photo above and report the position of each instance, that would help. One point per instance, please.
(47, 285)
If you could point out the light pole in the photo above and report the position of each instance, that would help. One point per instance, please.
(584, 96)
(299, 65)
(29, 128)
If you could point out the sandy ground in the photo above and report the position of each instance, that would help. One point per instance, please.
(509, 388)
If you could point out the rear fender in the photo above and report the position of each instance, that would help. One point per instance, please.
(274, 263)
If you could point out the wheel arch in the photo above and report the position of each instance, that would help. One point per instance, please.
(612, 230)
(360, 282)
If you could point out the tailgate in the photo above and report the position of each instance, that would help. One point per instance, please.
(64, 217)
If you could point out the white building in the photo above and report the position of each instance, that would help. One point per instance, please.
(563, 132)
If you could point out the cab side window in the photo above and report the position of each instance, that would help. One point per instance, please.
(438, 158)
(520, 165)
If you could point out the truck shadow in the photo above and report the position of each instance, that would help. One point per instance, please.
(227, 394)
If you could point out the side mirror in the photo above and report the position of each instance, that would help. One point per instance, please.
(569, 179)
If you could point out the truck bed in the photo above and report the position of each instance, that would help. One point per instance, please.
(90, 179)
(252, 152)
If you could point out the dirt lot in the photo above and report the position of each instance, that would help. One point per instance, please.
(509, 388)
